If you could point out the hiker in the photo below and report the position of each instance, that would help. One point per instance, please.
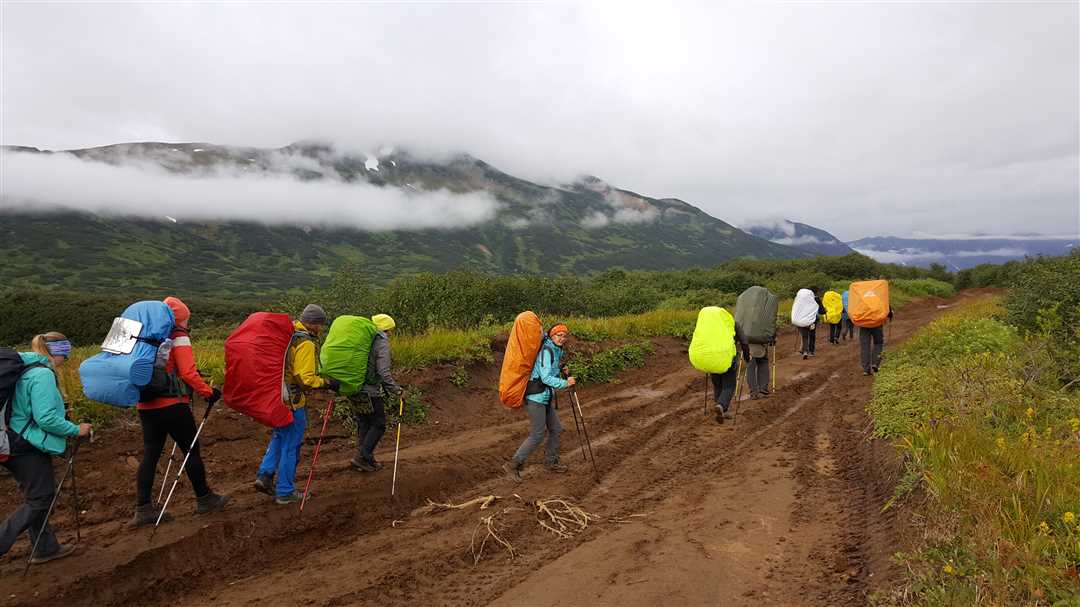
(378, 384)
(167, 413)
(871, 343)
(543, 417)
(757, 369)
(847, 328)
(39, 431)
(301, 377)
(755, 330)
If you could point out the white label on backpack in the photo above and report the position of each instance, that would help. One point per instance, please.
(121, 337)
(163, 354)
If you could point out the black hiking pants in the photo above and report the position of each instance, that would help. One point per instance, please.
(370, 427)
(871, 342)
(809, 337)
(834, 333)
(724, 384)
(33, 471)
(847, 328)
(178, 422)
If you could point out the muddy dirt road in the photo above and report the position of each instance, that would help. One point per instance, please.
(780, 508)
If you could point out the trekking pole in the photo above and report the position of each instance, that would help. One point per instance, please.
(165, 477)
(48, 513)
(706, 395)
(577, 425)
(585, 431)
(180, 471)
(397, 443)
(315, 458)
(772, 377)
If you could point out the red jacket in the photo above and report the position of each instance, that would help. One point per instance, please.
(182, 362)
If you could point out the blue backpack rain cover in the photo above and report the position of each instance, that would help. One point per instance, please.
(843, 297)
(116, 379)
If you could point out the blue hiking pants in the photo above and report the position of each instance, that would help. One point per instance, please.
(284, 452)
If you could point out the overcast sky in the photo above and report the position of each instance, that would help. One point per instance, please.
(860, 118)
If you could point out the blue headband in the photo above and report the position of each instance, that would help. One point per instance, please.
(60, 347)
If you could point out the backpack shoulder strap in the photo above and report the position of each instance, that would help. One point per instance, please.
(8, 407)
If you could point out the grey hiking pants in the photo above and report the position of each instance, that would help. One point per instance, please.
(542, 419)
(871, 341)
(33, 472)
(757, 374)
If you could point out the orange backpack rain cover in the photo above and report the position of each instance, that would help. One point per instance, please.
(521, 351)
(868, 303)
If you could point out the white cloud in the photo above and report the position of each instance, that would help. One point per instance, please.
(905, 117)
(774, 224)
(596, 220)
(802, 240)
(42, 181)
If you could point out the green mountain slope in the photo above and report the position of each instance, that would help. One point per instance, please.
(577, 228)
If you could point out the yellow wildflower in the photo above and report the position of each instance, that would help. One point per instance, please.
(1044, 528)
(1001, 442)
(1068, 518)
(947, 569)
(1030, 412)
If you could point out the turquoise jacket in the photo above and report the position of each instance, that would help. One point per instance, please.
(546, 369)
(37, 409)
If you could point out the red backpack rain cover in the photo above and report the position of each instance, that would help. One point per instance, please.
(255, 368)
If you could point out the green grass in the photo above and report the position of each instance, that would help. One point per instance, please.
(993, 442)
(679, 323)
(603, 367)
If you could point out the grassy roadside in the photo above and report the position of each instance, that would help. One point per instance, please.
(990, 435)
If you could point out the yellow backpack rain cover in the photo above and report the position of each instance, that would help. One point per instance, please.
(834, 307)
(712, 347)
(868, 303)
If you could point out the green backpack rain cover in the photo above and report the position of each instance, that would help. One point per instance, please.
(755, 313)
(344, 354)
(712, 347)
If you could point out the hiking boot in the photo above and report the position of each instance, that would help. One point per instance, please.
(865, 372)
(512, 470)
(719, 417)
(805, 356)
(146, 514)
(291, 498)
(265, 484)
(363, 464)
(556, 466)
(873, 369)
(59, 554)
(211, 502)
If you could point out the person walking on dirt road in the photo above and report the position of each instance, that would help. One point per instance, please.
(165, 410)
(38, 430)
(871, 343)
(371, 426)
(847, 328)
(543, 418)
(756, 357)
(301, 377)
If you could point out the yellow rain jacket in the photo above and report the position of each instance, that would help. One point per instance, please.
(303, 368)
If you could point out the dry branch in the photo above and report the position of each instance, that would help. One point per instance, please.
(561, 517)
(488, 523)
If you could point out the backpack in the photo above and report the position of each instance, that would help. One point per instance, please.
(344, 354)
(11, 369)
(526, 337)
(868, 303)
(712, 348)
(255, 356)
(117, 375)
(164, 383)
(834, 306)
(804, 311)
(844, 299)
(755, 315)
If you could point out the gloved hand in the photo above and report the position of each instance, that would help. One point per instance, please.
(214, 397)
(333, 385)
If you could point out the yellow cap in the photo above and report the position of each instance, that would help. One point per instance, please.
(383, 322)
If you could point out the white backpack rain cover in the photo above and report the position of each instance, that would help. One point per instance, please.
(804, 311)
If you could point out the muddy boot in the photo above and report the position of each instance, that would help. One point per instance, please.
(556, 467)
(512, 470)
(211, 502)
(291, 498)
(363, 464)
(59, 554)
(720, 416)
(146, 514)
(265, 484)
